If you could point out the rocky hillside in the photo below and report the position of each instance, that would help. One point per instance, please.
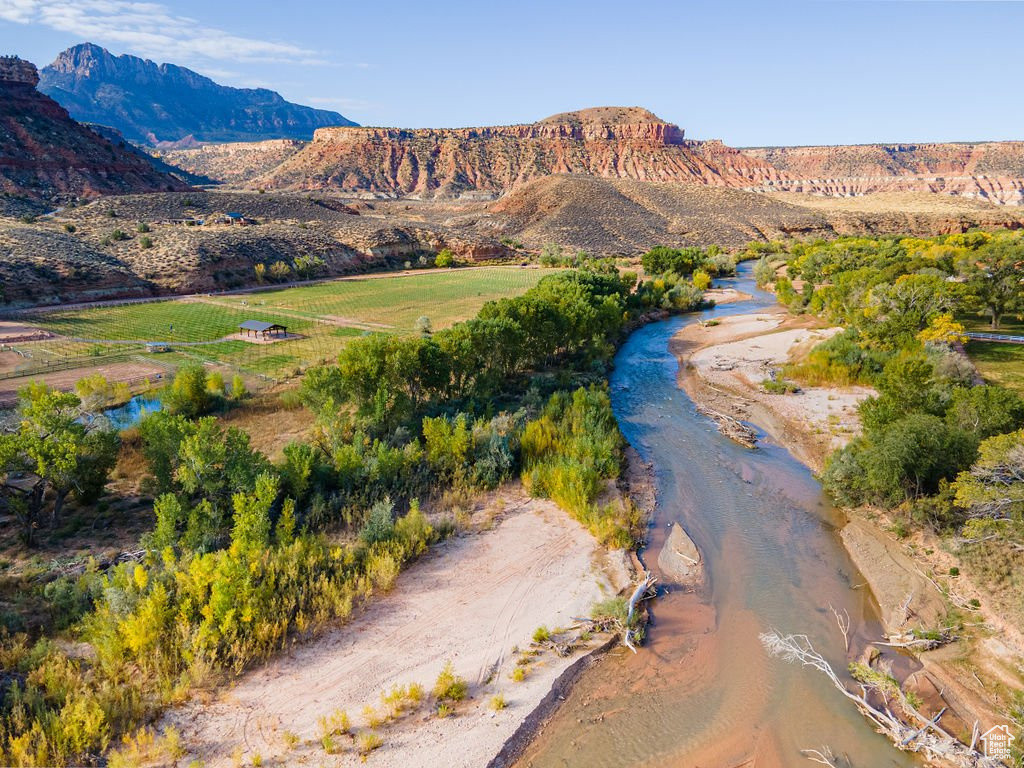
(627, 216)
(992, 171)
(45, 155)
(608, 142)
(152, 103)
(155, 244)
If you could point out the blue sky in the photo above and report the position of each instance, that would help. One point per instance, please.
(750, 73)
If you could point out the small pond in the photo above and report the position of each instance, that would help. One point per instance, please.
(131, 413)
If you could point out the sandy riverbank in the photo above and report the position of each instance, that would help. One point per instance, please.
(472, 601)
(722, 367)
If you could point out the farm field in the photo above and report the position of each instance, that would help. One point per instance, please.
(395, 303)
(321, 318)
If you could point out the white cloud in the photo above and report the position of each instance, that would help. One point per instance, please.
(150, 30)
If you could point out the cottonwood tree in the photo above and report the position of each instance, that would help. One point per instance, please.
(992, 491)
(995, 278)
(55, 451)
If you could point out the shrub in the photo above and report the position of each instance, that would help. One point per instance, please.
(449, 686)
(497, 702)
(142, 228)
(518, 674)
(779, 387)
(145, 243)
(379, 524)
(541, 634)
(367, 741)
(444, 259)
(70, 228)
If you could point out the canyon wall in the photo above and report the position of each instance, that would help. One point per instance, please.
(991, 171)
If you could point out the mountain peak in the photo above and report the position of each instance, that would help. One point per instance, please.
(150, 102)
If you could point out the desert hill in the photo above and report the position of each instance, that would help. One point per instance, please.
(627, 216)
(992, 171)
(152, 103)
(45, 155)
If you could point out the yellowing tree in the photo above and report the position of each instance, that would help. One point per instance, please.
(943, 329)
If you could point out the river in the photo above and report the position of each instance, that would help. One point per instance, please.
(702, 691)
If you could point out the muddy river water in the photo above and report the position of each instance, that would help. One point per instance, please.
(702, 691)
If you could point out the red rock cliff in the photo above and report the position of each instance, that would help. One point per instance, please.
(992, 171)
(609, 142)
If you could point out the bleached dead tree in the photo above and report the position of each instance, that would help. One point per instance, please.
(823, 756)
(927, 737)
(844, 624)
(641, 590)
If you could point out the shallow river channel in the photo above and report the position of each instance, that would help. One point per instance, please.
(702, 691)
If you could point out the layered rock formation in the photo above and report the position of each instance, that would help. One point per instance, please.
(992, 171)
(46, 155)
(609, 142)
(153, 103)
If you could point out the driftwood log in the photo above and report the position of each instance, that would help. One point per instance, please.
(639, 593)
(732, 428)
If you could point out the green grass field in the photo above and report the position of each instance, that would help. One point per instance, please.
(325, 316)
(168, 321)
(397, 302)
(1000, 363)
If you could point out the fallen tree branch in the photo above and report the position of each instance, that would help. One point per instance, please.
(930, 739)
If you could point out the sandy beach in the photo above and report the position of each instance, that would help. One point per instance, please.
(473, 601)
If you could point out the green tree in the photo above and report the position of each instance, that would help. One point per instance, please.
(444, 259)
(985, 410)
(62, 455)
(992, 491)
(189, 392)
(904, 459)
(251, 531)
(906, 385)
(995, 278)
(764, 272)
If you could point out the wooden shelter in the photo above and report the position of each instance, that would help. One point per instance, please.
(258, 327)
